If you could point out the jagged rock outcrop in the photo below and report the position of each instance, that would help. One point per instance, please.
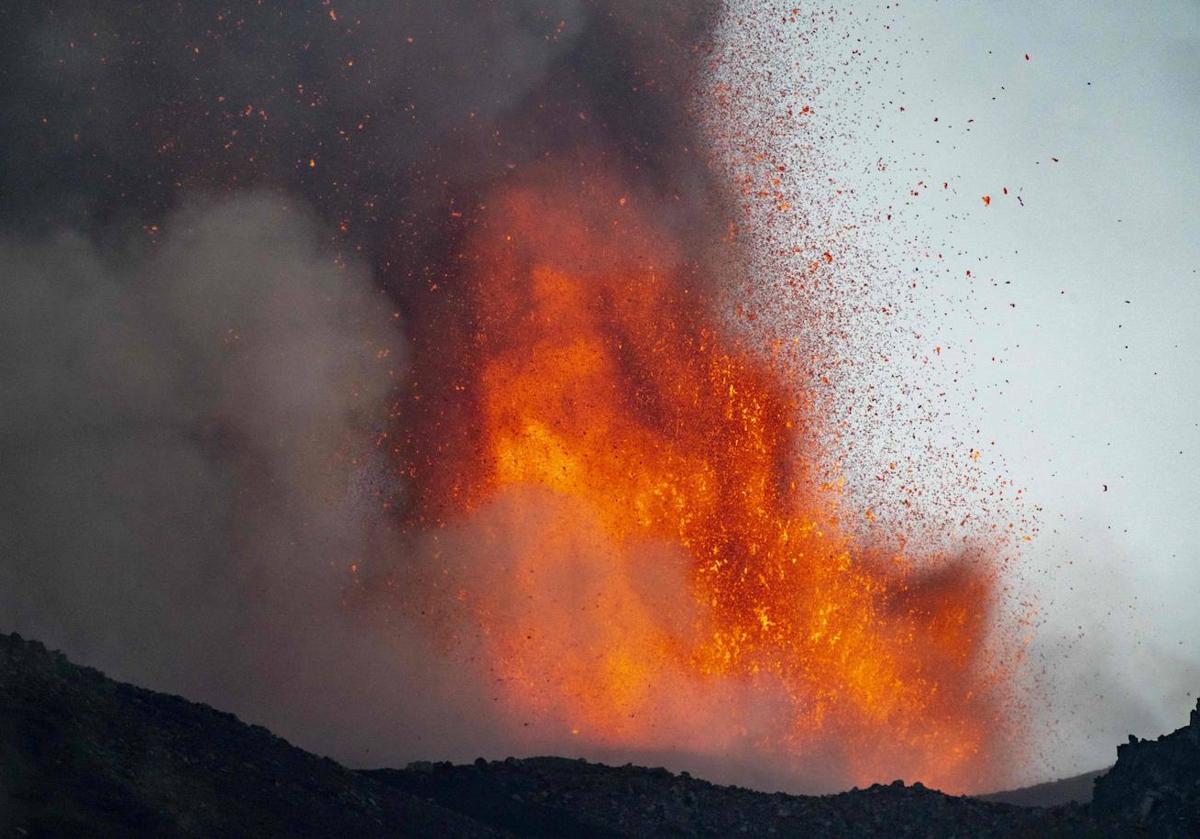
(1155, 784)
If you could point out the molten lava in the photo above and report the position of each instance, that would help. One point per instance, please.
(635, 530)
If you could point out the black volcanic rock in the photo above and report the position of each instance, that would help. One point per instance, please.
(1156, 783)
(550, 796)
(82, 755)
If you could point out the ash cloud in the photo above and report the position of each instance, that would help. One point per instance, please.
(185, 435)
(218, 227)
(189, 440)
(195, 386)
(191, 472)
(385, 116)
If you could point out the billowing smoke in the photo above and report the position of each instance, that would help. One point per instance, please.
(219, 231)
(183, 438)
(191, 475)
(250, 251)
(393, 119)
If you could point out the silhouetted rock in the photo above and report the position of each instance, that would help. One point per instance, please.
(549, 796)
(82, 755)
(1156, 783)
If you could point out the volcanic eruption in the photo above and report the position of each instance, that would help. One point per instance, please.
(607, 504)
(634, 535)
(620, 504)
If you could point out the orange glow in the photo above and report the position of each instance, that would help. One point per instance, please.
(654, 562)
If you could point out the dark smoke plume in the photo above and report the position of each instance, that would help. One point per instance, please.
(219, 228)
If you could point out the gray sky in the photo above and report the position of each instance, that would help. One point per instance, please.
(1076, 337)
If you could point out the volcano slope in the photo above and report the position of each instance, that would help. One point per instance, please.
(81, 754)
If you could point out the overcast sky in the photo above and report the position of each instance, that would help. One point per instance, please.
(1077, 334)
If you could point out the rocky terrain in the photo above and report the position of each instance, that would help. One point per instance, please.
(1156, 783)
(81, 754)
(560, 797)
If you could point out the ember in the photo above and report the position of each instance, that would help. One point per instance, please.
(635, 535)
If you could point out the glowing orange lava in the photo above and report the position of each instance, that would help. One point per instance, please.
(636, 529)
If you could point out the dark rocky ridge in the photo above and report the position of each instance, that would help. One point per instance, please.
(81, 754)
(549, 796)
(1156, 783)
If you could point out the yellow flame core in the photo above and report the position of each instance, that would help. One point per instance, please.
(694, 572)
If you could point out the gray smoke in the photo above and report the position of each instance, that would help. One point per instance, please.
(198, 393)
(188, 469)
(191, 474)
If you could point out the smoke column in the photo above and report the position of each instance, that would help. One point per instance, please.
(237, 246)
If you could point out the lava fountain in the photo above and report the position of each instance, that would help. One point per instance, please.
(629, 534)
